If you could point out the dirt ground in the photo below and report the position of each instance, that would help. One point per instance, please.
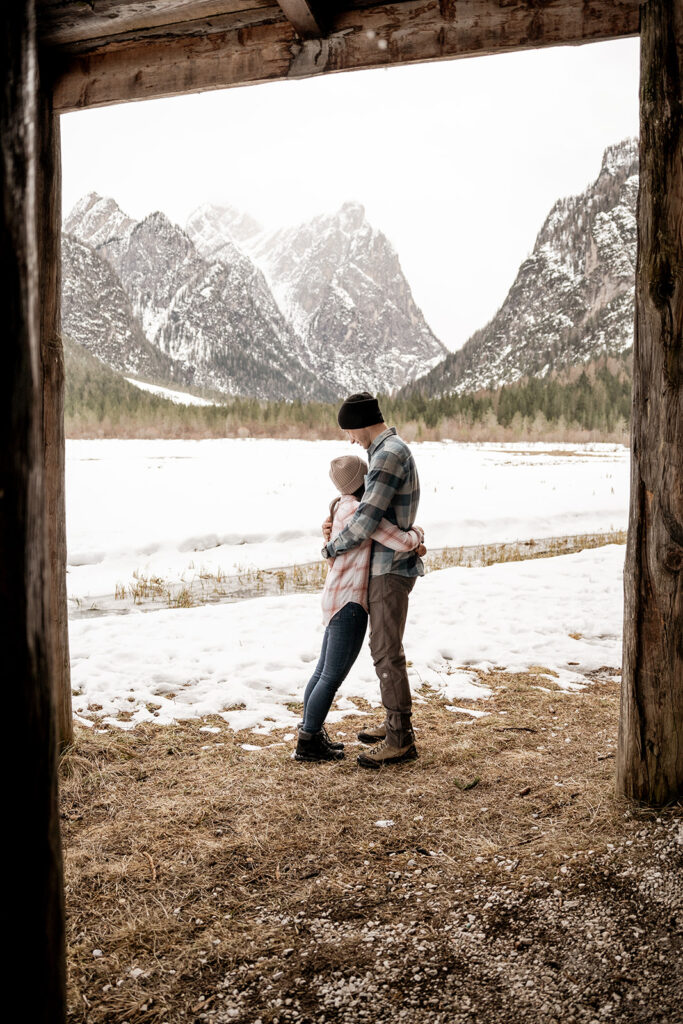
(496, 879)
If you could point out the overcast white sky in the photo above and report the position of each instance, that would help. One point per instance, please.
(458, 162)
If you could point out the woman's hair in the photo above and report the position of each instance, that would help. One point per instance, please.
(357, 494)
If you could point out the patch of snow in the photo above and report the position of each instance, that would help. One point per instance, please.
(467, 711)
(179, 397)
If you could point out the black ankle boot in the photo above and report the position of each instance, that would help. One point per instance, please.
(312, 747)
(333, 744)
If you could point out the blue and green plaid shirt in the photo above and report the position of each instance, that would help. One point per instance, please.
(392, 489)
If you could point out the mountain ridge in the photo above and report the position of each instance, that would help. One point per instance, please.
(201, 298)
(338, 281)
(572, 298)
(217, 320)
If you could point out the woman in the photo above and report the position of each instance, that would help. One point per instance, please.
(345, 609)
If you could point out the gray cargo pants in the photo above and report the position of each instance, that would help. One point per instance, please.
(388, 604)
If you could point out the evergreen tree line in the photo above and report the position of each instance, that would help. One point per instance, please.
(589, 402)
(591, 399)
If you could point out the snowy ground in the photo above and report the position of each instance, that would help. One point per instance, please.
(162, 506)
(170, 508)
(247, 661)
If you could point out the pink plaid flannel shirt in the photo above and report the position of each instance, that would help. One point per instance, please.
(347, 577)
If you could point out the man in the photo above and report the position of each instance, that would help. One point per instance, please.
(392, 489)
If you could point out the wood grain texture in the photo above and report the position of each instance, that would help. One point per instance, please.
(49, 221)
(306, 17)
(37, 923)
(221, 24)
(650, 756)
(61, 23)
(188, 59)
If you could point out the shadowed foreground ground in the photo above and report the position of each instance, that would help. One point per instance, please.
(206, 882)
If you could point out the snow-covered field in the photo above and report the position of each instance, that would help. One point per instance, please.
(168, 507)
(171, 507)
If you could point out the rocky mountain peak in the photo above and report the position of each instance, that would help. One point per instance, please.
(159, 222)
(338, 281)
(217, 231)
(622, 155)
(213, 221)
(572, 299)
(351, 217)
(169, 242)
(97, 313)
(95, 219)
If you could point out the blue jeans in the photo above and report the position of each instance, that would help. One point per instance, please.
(342, 642)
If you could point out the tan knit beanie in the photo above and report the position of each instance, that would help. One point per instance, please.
(347, 473)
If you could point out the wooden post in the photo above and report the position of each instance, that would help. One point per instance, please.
(49, 216)
(650, 758)
(36, 929)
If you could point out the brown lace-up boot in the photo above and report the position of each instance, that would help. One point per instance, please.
(373, 733)
(383, 753)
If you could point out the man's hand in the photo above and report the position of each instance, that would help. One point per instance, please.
(421, 550)
(327, 529)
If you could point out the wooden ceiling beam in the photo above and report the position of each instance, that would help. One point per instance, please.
(305, 16)
(61, 23)
(413, 31)
(221, 25)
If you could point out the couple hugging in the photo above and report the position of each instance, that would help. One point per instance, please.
(373, 551)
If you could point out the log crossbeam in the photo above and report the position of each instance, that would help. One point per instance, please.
(67, 24)
(262, 45)
(306, 17)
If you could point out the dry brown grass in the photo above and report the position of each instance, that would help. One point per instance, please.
(185, 853)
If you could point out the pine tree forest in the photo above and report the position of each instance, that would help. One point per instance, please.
(591, 402)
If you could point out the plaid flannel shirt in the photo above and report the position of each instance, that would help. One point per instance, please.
(347, 578)
(392, 490)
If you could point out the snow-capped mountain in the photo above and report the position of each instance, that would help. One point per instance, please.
(213, 228)
(95, 220)
(572, 299)
(98, 314)
(339, 283)
(217, 319)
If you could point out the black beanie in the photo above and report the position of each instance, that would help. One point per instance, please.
(358, 411)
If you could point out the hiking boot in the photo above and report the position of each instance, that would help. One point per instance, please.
(311, 746)
(373, 733)
(332, 744)
(383, 754)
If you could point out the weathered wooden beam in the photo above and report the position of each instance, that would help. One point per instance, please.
(650, 756)
(61, 23)
(30, 803)
(49, 220)
(393, 34)
(306, 17)
(221, 25)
